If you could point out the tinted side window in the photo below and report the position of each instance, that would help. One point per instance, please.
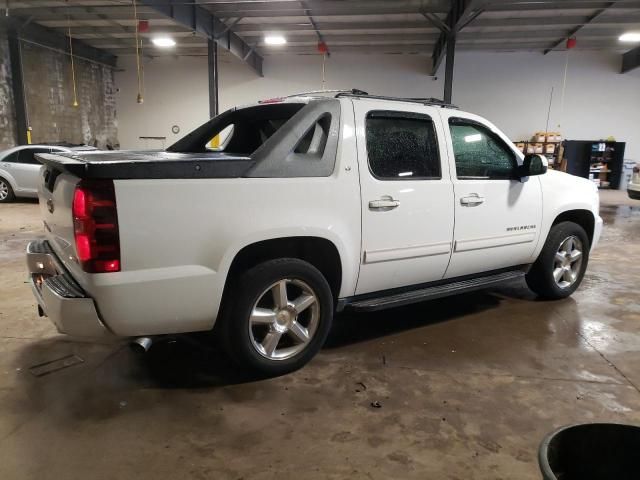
(26, 155)
(12, 157)
(480, 153)
(402, 145)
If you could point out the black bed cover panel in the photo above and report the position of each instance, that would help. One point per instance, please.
(123, 164)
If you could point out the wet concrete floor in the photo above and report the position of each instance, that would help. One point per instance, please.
(467, 386)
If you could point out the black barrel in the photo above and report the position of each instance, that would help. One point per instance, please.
(591, 451)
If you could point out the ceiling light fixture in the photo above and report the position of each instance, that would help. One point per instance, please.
(164, 42)
(275, 40)
(630, 37)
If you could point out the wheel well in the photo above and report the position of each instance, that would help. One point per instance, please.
(584, 218)
(319, 252)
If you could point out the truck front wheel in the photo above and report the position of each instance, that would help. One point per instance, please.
(560, 267)
(278, 317)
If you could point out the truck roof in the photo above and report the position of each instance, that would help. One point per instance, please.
(362, 94)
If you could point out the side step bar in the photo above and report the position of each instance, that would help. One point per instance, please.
(431, 293)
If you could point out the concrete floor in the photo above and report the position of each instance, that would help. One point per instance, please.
(468, 386)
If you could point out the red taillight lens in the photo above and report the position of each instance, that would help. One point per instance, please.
(95, 225)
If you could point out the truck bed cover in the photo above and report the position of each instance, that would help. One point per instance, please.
(155, 164)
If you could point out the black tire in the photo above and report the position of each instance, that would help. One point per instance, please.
(540, 277)
(10, 197)
(239, 337)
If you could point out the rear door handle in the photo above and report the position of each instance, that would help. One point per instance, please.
(384, 203)
(471, 200)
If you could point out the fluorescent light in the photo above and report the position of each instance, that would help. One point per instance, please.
(476, 137)
(164, 42)
(405, 174)
(275, 40)
(630, 37)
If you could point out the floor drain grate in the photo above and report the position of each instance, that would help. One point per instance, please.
(51, 366)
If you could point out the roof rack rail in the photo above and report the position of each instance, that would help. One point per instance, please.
(424, 101)
(352, 91)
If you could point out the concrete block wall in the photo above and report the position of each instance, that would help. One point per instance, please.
(7, 114)
(49, 91)
(49, 97)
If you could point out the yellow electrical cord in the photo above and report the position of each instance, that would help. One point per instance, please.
(135, 17)
(73, 68)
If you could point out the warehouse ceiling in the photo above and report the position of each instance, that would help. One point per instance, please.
(391, 27)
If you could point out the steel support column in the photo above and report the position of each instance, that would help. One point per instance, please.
(212, 56)
(630, 60)
(19, 98)
(448, 74)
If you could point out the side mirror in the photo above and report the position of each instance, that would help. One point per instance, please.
(533, 164)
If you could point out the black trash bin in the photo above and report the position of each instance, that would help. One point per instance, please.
(591, 451)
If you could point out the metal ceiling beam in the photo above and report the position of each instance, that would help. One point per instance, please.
(630, 60)
(313, 23)
(46, 37)
(575, 30)
(554, 5)
(372, 49)
(515, 22)
(200, 20)
(325, 8)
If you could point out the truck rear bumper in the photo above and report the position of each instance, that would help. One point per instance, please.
(61, 299)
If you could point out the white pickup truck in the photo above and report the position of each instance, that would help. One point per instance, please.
(310, 205)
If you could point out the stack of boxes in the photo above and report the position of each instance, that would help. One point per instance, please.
(544, 143)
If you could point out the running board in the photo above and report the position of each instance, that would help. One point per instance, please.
(431, 293)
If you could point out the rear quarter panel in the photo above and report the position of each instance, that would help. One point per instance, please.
(178, 239)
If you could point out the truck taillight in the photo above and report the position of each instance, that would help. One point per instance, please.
(95, 226)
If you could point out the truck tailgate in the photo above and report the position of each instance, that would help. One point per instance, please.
(55, 192)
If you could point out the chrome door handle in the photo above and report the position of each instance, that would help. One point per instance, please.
(385, 203)
(471, 200)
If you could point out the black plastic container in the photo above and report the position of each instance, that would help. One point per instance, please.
(591, 451)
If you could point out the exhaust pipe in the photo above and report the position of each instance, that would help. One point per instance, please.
(141, 344)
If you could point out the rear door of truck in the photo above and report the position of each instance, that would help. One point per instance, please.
(407, 194)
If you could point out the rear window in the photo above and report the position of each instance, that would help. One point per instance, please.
(238, 132)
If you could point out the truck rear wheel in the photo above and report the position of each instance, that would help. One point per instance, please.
(278, 317)
(560, 267)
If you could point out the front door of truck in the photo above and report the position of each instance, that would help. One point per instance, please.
(406, 194)
(498, 216)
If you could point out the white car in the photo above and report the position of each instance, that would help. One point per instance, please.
(312, 205)
(19, 170)
(633, 187)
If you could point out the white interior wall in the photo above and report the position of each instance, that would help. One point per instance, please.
(510, 89)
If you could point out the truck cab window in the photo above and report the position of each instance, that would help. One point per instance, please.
(402, 145)
(239, 131)
(314, 141)
(480, 153)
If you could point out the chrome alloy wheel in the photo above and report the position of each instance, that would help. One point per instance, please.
(567, 262)
(280, 328)
(4, 190)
